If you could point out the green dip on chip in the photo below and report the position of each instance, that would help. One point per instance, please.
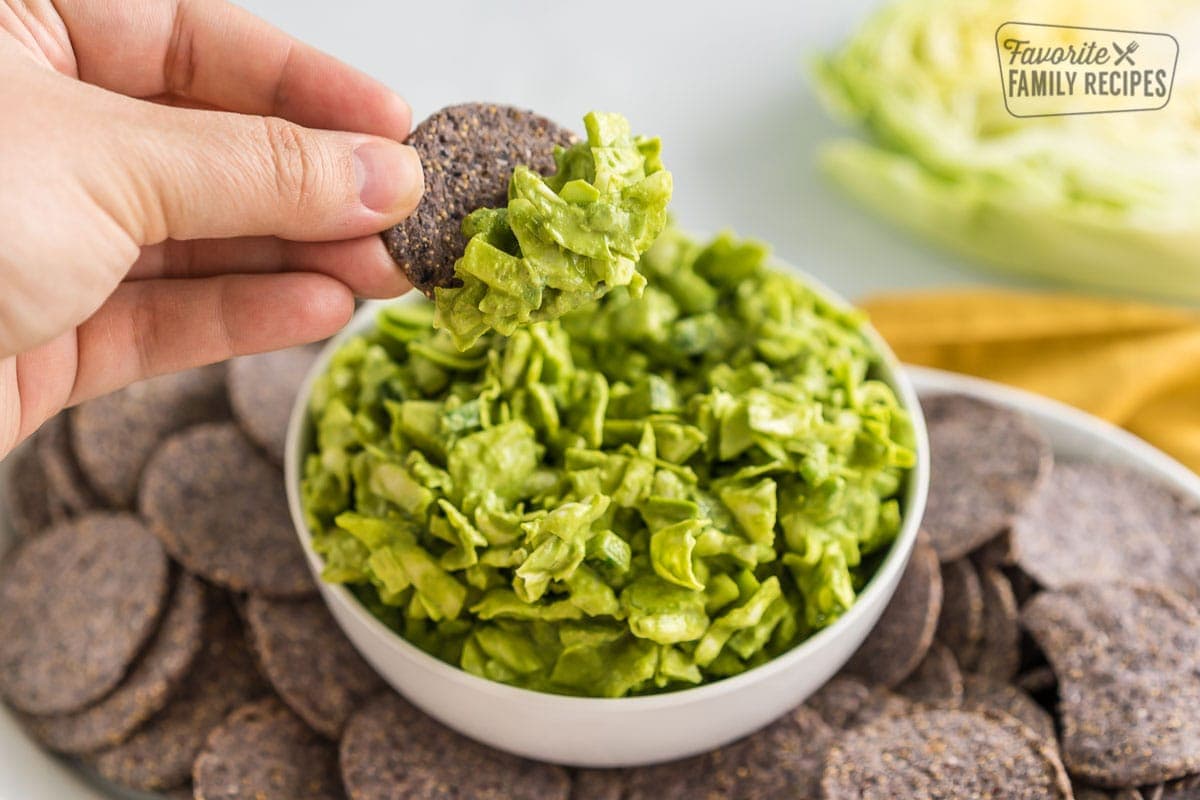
(563, 240)
(667, 486)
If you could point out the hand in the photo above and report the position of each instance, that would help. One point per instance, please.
(161, 205)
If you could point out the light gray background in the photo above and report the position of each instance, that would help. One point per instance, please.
(723, 84)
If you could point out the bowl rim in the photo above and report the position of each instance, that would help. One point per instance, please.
(916, 493)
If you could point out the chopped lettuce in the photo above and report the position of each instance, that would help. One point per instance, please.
(597, 506)
(563, 240)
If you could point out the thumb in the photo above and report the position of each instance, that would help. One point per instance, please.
(211, 174)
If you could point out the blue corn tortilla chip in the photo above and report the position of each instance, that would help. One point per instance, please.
(390, 750)
(987, 461)
(943, 754)
(219, 508)
(309, 661)
(154, 678)
(113, 436)
(1127, 659)
(937, 681)
(468, 153)
(903, 635)
(262, 390)
(960, 626)
(264, 751)
(159, 756)
(76, 606)
(1101, 522)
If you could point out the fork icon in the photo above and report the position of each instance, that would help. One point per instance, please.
(1126, 54)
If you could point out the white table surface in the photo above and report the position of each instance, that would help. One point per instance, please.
(723, 83)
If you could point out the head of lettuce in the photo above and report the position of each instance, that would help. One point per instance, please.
(1104, 200)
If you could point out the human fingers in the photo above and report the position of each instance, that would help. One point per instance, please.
(148, 328)
(186, 174)
(362, 264)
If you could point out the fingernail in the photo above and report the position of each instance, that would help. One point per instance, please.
(389, 176)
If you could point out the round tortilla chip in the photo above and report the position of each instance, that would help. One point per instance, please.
(265, 752)
(309, 661)
(158, 672)
(1000, 650)
(943, 754)
(468, 153)
(160, 755)
(987, 461)
(391, 750)
(63, 475)
(984, 693)
(1128, 665)
(27, 495)
(1097, 522)
(904, 633)
(114, 435)
(782, 760)
(937, 681)
(845, 702)
(219, 508)
(880, 702)
(839, 700)
(997, 552)
(598, 784)
(960, 626)
(262, 390)
(76, 605)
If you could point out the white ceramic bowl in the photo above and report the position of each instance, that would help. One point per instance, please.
(608, 732)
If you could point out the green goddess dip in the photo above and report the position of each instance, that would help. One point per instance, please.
(563, 240)
(665, 487)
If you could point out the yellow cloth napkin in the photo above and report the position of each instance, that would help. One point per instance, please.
(1134, 364)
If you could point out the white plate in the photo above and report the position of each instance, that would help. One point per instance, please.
(27, 773)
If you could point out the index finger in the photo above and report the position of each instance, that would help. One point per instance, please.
(215, 53)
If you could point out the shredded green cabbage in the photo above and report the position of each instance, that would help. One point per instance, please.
(1102, 200)
(563, 240)
(650, 493)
